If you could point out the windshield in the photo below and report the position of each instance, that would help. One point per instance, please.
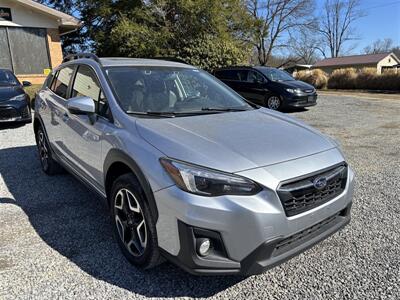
(276, 74)
(7, 78)
(171, 91)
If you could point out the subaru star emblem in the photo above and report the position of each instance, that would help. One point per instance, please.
(320, 183)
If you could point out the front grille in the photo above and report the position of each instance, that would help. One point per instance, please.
(307, 234)
(304, 194)
(308, 91)
(8, 113)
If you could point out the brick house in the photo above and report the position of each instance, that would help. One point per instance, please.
(30, 38)
(379, 61)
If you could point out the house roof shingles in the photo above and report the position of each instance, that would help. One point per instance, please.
(352, 60)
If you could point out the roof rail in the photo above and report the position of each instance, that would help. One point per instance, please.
(81, 55)
(173, 59)
(236, 66)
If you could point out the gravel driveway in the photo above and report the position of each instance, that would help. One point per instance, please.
(56, 239)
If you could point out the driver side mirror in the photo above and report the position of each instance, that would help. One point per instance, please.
(26, 83)
(81, 106)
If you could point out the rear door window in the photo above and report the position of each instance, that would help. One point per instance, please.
(61, 82)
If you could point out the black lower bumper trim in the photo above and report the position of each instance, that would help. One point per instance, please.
(266, 256)
(10, 114)
(188, 259)
(300, 101)
(270, 254)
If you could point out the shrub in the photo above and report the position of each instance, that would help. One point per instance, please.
(317, 78)
(389, 80)
(343, 79)
(366, 79)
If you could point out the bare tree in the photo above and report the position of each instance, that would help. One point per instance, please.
(304, 45)
(396, 51)
(335, 26)
(379, 46)
(272, 20)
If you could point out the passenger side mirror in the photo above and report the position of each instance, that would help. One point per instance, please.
(81, 106)
(26, 83)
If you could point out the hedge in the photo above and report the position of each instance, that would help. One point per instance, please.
(350, 78)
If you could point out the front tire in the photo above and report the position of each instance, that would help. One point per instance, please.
(49, 165)
(273, 102)
(134, 226)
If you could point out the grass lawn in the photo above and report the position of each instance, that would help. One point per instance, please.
(31, 90)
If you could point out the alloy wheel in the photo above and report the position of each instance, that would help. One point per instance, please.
(273, 102)
(130, 222)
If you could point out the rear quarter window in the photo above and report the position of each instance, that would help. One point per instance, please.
(48, 81)
(227, 74)
(236, 75)
(61, 82)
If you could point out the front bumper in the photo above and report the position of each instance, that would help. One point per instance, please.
(299, 101)
(15, 112)
(266, 256)
(250, 228)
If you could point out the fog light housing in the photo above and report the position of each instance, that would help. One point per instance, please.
(203, 246)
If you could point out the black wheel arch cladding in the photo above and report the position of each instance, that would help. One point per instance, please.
(118, 156)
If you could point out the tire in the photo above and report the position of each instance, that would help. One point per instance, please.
(49, 165)
(32, 104)
(273, 102)
(134, 226)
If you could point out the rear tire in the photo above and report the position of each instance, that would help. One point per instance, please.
(134, 226)
(49, 165)
(273, 102)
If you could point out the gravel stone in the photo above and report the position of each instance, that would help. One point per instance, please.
(56, 238)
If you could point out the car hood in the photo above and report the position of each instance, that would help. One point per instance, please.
(295, 84)
(7, 92)
(234, 141)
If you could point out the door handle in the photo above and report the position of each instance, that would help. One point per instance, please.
(65, 117)
(42, 104)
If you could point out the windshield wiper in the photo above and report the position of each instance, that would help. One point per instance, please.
(153, 113)
(223, 109)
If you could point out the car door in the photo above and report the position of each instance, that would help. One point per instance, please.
(254, 87)
(85, 132)
(230, 77)
(53, 109)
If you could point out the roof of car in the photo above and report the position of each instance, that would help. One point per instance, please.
(120, 61)
(244, 67)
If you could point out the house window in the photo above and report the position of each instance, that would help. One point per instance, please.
(24, 50)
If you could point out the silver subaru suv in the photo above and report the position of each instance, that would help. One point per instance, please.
(191, 171)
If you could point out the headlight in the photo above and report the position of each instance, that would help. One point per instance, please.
(207, 182)
(18, 97)
(294, 91)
